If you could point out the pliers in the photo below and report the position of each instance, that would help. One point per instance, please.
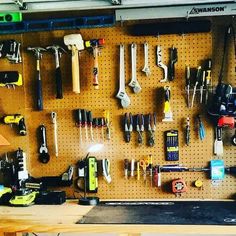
(128, 126)
(140, 127)
(151, 127)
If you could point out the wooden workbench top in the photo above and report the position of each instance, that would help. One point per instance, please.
(63, 218)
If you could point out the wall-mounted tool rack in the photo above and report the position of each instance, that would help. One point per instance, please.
(192, 49)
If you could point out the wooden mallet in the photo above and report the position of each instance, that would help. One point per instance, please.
(75, 43)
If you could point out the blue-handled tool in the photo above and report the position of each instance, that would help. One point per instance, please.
(201, 129)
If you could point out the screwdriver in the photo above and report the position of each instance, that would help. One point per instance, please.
(208, 78)
(138, 170)
(79, 122)
(202, 85)
(150, 168)
(188, 84)
(84, 112)
(95, 125)
(90, 122)
(107, 124)
(187, 131)
(198, 77)
(126, 167)
(102, 125)
(132, 168)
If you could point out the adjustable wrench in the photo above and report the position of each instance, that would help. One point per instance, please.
(146, 68)
(161, 64)
(122, 95)
(134, 82)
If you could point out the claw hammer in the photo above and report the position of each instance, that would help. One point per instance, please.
(38, 54)
(57, 50)
(95, 44)
(75, 43)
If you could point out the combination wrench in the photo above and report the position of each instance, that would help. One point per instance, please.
(122, 95)
(146, 68)
(161, 64)
(134, 82)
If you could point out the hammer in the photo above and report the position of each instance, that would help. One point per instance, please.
(38, 54)
(75, 43)
(57, 50)
(95, 44)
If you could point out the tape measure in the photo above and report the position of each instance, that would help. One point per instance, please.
(179, 186)
(198, 183)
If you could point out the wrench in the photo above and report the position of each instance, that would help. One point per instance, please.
(146, 68)
(54, 121)
(43, 150)
(161, 64)
(134, 82)
(122, 95)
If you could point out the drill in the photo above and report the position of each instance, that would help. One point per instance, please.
(16, 119)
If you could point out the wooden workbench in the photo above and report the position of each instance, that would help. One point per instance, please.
(63, 218)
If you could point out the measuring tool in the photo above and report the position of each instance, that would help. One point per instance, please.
(178, 186)
(172, 145)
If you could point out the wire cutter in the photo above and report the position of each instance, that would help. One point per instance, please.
(128, 126)
(140, 127)
(151, 126)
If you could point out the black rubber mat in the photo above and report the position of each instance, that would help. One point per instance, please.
(166, 212)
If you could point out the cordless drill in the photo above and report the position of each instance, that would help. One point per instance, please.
(16, 119)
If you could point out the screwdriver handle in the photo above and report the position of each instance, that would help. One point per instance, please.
(187, 76)
(90, 117)
(78, 116)
(126, 167)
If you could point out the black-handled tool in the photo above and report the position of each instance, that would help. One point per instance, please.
(78, 118)
(38, 54)
(173, 60)
(128, 126)
(57, 50)
(44, 156)
(90, 123)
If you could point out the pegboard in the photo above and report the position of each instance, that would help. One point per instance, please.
(192, 49)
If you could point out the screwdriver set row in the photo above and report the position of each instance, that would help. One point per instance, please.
(84, 119)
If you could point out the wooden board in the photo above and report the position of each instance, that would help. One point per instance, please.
(192, 49)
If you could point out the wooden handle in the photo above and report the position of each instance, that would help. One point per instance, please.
(75, 70)
(95, 69)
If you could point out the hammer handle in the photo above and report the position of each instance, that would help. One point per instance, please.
(39, 88)
(95, 68)
(59, 93)
(75, 70)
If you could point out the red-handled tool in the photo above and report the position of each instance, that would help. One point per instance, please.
(95, 45)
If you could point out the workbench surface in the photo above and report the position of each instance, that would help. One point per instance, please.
(63, 218)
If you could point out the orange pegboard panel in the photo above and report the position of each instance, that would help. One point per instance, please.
(192, 49)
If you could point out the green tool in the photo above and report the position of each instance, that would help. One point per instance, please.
(7, 17)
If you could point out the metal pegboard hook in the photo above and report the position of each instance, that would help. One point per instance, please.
(22, 5)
